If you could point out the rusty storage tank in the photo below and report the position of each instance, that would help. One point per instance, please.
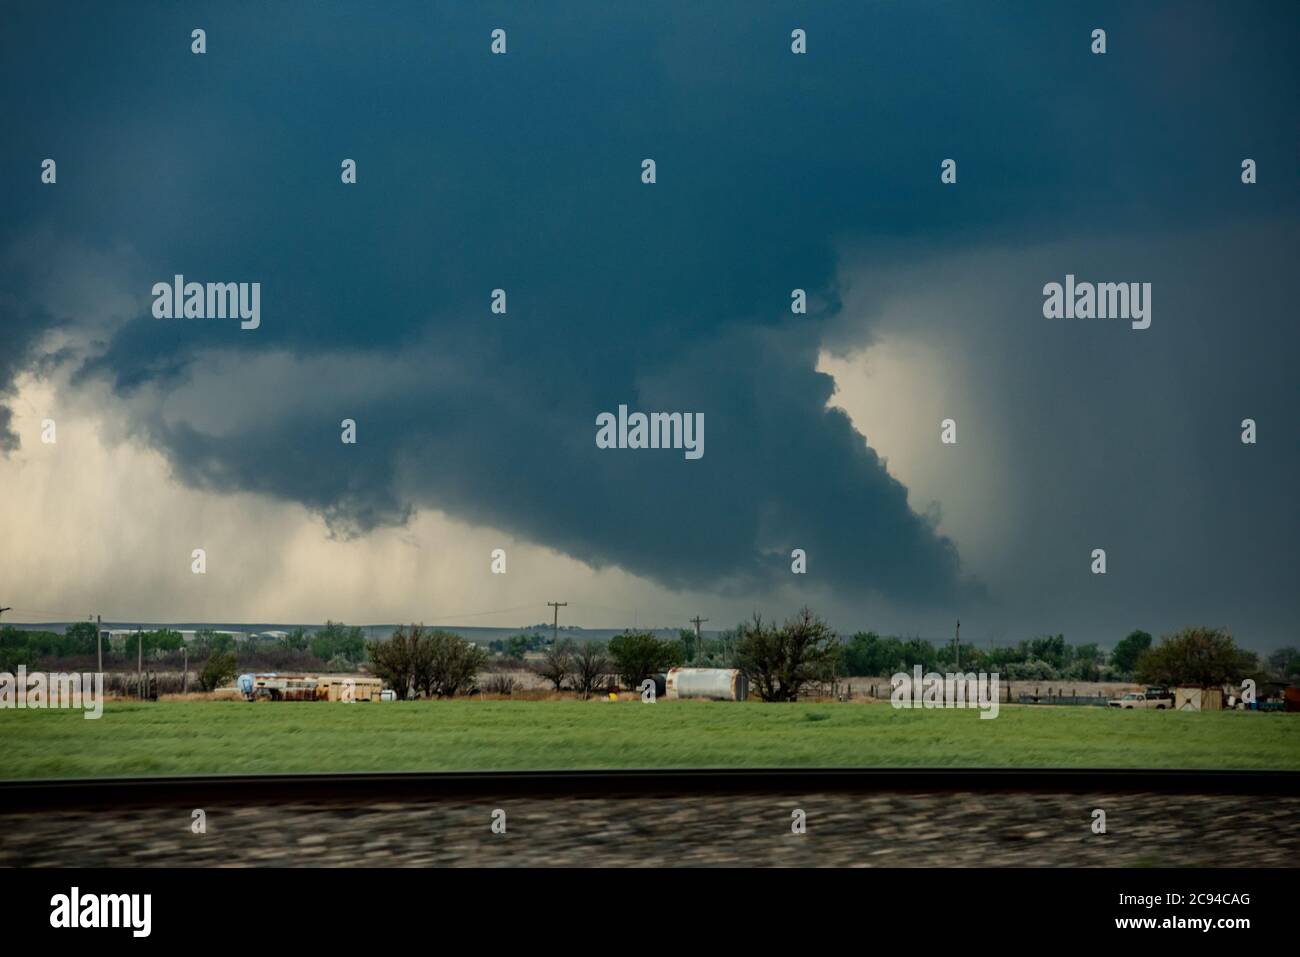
(716, 684)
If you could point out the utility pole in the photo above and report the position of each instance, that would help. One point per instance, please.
(555, 629)
(99, 644)
(697, 619)
(139, 662)
(957, 644)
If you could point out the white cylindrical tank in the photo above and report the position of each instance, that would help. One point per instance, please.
(717, 684)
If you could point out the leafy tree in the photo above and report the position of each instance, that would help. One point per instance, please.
(81, 638)
(516, 646)
(337, 639)
(1126, 654)
(779, 661)
(297, 640)
(1285, 662)
(218, 669)
(1194, 657)
(865, 654)
(1051, 649)
(15, 649)
(167, 639)
(153, 643)
(210, 642)
(455, 664)
(639, 654)
(422, 661)
(394, 660)
(918, 651)
(972, 659)
(1086, 664)
(686, 637)
(1090, 653)
(414, 661)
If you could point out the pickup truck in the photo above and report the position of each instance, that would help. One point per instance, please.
(1156, 698)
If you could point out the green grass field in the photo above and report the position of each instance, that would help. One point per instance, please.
(227, 737)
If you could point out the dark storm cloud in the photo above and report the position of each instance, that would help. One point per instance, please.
(522, 172)
(23, 328)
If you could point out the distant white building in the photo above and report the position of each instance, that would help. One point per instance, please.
(187, 634)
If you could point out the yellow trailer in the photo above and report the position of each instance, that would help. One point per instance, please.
(278, 687)
(349, 688)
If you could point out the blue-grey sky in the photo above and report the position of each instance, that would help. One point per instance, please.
(774, 171)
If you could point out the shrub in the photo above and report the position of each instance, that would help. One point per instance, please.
(339, 663)
(1033, 670)
(500, 684)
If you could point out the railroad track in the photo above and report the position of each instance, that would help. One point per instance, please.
(85, 793)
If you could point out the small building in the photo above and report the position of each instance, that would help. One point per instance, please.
(1198, 699)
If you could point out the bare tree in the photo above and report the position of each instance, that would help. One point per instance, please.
(557, 664)
(779, 662)
(590, 665)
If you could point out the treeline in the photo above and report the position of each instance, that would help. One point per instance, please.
(30, 648)
(516, 646)
(777, 658)
(782, 661)
(1136, 657)
(804, 651)
(1046, 657)
(333, 647)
